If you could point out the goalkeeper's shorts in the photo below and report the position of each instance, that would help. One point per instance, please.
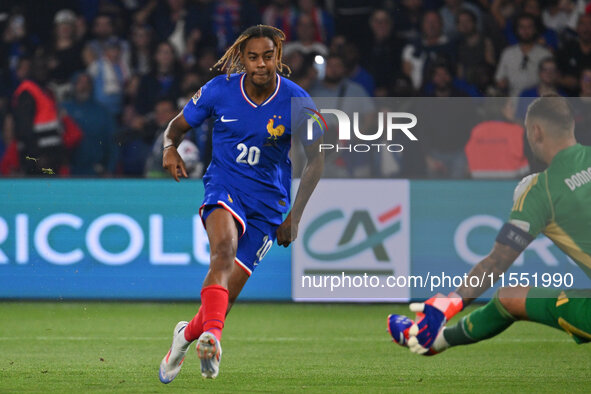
(568, 310)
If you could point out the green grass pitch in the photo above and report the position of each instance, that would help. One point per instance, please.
(104, 347)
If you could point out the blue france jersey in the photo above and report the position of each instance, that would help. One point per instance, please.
(251, 142)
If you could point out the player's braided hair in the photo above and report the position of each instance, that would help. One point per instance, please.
(230, 61)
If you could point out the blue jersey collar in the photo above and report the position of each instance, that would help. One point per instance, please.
(268, 100)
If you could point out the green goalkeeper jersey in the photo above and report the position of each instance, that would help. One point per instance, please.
(557, 203)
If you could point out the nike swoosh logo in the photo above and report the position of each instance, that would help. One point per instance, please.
(227, 120)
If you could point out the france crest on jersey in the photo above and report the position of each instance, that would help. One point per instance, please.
(251, 142)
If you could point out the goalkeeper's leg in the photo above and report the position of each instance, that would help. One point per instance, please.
(506, 306)
(568, 310)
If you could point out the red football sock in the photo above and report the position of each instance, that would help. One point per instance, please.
(195, 327)
(214, 302)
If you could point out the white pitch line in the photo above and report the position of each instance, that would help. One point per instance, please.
(91, 338)
(532, 340)
(251, 340)
(46, 338)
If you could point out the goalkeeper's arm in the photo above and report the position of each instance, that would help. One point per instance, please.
(498, 261)
(510, 242)
(437, 310)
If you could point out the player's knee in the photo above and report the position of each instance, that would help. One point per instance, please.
(513, 300)
(223, 251)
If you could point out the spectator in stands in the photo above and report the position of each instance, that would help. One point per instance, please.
(355, 72)
(341, 93)
(16, 44)
(575, 56)
(548, 76)
(506, 13)
(546, 37)
(37, 125)
(188, 152)
(496, 145)
(64, 53)
(407, 21)
(441, 82)
(131, 80)
(489, 26)
(103, 31)
(227, 18)
(142, 49)
(9, 156)
(581, 109)
(201, 136)
(548, 85)
(133, 150)
(23, 71)
(139, 139)
(518, 66)
(4, 134)
(206, 61)
(351, 18)
(174, 21)
(190, 84)
(450, 13)
(476, 53)
(164, 112)
(381, 56)
(110, 74)
(302, 68)
(434, 45)
(96, 155)
(306, 42)
(443, 143)
(282, 14)
(336, 85)
(559, 15)
(322, 22)
(162, 83)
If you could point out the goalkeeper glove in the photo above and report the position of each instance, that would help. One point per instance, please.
(431, 317)
(398, 327)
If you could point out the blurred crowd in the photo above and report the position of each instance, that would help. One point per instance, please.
(87, 87)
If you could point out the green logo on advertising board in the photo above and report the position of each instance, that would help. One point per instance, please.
(345, 248)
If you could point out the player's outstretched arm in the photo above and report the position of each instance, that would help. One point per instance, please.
(288, 230)
(498, 261)
(434, 313)
(486, 272)
(173, 135)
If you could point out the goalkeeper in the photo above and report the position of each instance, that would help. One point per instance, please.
(557, 203)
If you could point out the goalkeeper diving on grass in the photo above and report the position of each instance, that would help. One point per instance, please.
(555, 202)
